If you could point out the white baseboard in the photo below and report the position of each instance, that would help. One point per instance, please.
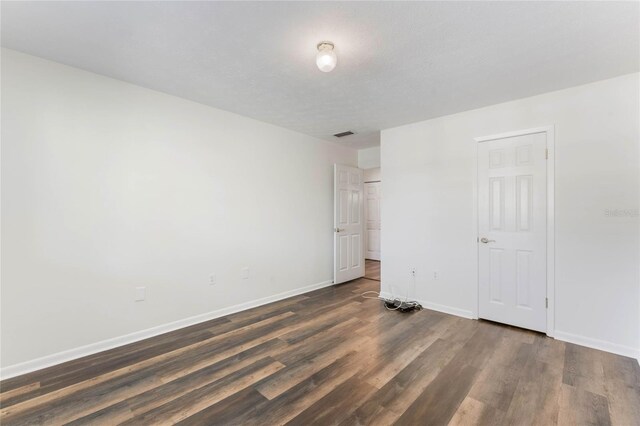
(602, 345)
(75, 353)
(437, 307)
(560, 335)
(447, 309)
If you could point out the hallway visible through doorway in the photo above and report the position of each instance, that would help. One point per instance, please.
(372, 269)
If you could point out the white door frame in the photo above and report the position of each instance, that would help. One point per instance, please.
(366, 219)
(550, 133)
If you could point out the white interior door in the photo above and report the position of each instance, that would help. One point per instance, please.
(372, 215)
(512, 221)
(348, 224)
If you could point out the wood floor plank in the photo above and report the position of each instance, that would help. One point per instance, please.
(18, 391)
(388, 403)
(395, 351)
(537, 397)
(101, 365)
(333, 357)
(550, 351)
(276, 308)
(326, 339)
(336, 405)
(322, 322)
(199, 399)
(7, 413)
(60, 375)
(583, 368)
(289, 404)
(146, 380)
(441, 399)
(581, 407)
(474, 412)
(139, 403)
(499, 378)
(304, 368)
(226, 411)
(622, 388)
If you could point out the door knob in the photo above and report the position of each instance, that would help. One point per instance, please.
(339, 230)
(486, 240)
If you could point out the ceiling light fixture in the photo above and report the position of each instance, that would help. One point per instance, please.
(326, 58)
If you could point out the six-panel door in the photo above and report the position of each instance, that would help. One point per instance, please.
(512, 230)
(348, 224)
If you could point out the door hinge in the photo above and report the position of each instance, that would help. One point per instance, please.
(546, 153)
(546, 302)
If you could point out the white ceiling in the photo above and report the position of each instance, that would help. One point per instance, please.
(397, 62)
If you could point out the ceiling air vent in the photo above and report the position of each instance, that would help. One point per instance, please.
(343, 134)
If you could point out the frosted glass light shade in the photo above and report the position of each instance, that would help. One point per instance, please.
(326, 58)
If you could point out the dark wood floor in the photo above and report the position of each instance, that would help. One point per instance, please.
(332, 357)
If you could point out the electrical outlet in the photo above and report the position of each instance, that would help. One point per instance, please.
(435, 275)
(413, 271)
(244, 273)
(140, 294)
(212, 279)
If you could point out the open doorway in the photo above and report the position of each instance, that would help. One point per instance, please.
(372, 193)
(372, 269)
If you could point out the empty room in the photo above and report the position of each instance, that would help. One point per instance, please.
(320, 213)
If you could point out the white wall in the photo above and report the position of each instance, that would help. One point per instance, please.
(107, 186)
(369, 158)
(428, 207)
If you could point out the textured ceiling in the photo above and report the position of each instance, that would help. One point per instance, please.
(397, 62)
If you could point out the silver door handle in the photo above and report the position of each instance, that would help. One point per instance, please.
(486, 240)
